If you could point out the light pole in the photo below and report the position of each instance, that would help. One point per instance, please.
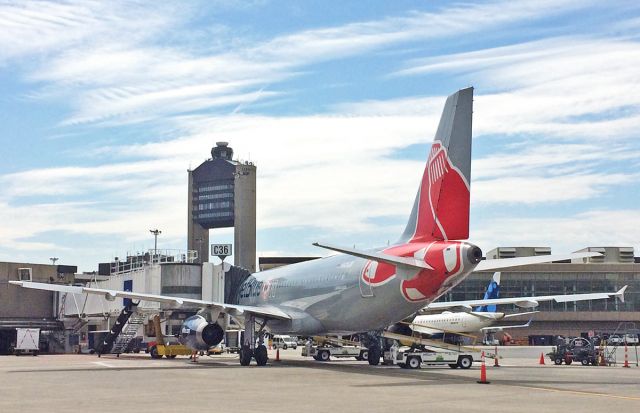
(53, 260)
(155, 233)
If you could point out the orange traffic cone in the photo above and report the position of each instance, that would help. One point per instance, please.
(541, 358)
(278, 354)
(626, 356)
(495, 360)
(483, 372)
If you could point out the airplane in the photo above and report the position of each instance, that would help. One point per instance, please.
(484, 316)
(357, 291)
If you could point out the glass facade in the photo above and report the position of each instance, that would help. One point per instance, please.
(213, 203)
(524, 284)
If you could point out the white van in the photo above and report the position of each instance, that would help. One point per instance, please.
(284, 342)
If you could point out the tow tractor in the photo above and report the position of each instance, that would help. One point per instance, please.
(579, 350)
(323, 348)
(161, 347)
(428, 352)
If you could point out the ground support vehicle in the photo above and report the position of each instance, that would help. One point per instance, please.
(620, 340)
(160, 347)
(578, 349)
(284, 342)
(27, 341)
(413, 358)
(326, 351)
(232, 340)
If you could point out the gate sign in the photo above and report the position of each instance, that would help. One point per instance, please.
(222, 251)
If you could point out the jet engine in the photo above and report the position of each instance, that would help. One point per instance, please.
(199, 334)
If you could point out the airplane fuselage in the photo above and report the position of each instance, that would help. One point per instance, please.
(455, 322)
(343, 294)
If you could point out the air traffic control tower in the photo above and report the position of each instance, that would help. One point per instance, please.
(222, 194)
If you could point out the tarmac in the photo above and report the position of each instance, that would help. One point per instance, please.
(56, 383)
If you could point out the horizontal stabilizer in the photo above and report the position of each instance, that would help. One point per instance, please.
(488, 265)
(406, 266)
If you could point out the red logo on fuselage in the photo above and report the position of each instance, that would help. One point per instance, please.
(443, 256)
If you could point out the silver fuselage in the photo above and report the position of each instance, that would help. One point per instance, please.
(328, 296)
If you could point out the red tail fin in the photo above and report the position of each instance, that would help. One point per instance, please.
(441, 208)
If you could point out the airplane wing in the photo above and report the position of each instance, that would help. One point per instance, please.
(489, 265)
(527, 302)
(406, 266)
(494, 329)
(231, 309)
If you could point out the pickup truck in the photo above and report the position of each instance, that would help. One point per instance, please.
(618, 340)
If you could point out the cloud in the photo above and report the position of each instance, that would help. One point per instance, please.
(594, 228)
(566, 87)
(96, 56)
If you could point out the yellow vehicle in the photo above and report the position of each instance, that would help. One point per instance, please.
(162, 348)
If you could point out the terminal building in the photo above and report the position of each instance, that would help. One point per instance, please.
(21, 308)
(222, 194)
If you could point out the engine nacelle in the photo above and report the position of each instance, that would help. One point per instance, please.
(198, 334)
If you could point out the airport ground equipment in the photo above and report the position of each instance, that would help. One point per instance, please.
(578, 349)
(284, 342)
(27, 341)
(163, 348)
(232, 340)
(107, 344)
(414, 357)
(323, 348)
(421, 351)
(126, 339)
(432, 344)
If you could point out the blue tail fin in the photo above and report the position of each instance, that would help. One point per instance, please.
(493, 291)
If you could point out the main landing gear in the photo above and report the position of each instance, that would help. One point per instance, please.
(373, 341)
(247, 351)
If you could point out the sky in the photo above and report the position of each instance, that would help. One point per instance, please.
(105, 105)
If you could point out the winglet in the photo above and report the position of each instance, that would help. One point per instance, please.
(620, 293)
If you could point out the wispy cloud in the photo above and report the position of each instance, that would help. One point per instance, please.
(110, 73)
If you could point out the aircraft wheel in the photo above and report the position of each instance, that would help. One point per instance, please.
(261, 355)
(153, 352)
(414, 362)
(245, 356)
(324, 355)
(374, 356)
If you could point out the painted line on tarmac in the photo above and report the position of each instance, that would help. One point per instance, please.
(103, 364)
(577, 392)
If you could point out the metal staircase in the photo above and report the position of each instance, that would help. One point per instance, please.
(107, 344)
(128, 333)
(624, 328)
